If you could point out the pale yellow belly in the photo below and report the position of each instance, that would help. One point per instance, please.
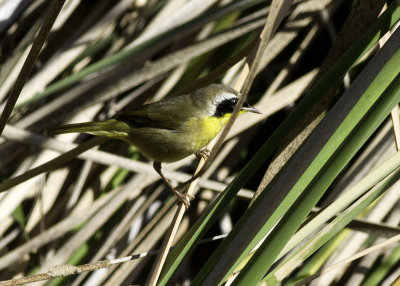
(170, 146)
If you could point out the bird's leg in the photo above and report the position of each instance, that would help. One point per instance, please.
(184, 198)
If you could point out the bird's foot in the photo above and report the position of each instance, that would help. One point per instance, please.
(184, 198)
(203, 153)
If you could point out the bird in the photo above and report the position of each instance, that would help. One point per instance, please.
(170, 129)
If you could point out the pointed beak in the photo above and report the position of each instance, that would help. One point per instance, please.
(247, 107)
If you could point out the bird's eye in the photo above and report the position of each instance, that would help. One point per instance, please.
(226, 106)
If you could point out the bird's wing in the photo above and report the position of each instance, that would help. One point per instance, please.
(150, 117)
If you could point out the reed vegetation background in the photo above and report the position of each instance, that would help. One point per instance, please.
(290, 195)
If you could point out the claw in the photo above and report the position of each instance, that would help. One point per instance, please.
(183, 198)
(203, 153)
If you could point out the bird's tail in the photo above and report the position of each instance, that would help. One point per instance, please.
(110, 128)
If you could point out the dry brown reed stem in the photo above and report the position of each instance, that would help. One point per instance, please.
(57, 271)
(30, 61)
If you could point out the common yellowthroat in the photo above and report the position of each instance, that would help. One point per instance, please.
(171, 129)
